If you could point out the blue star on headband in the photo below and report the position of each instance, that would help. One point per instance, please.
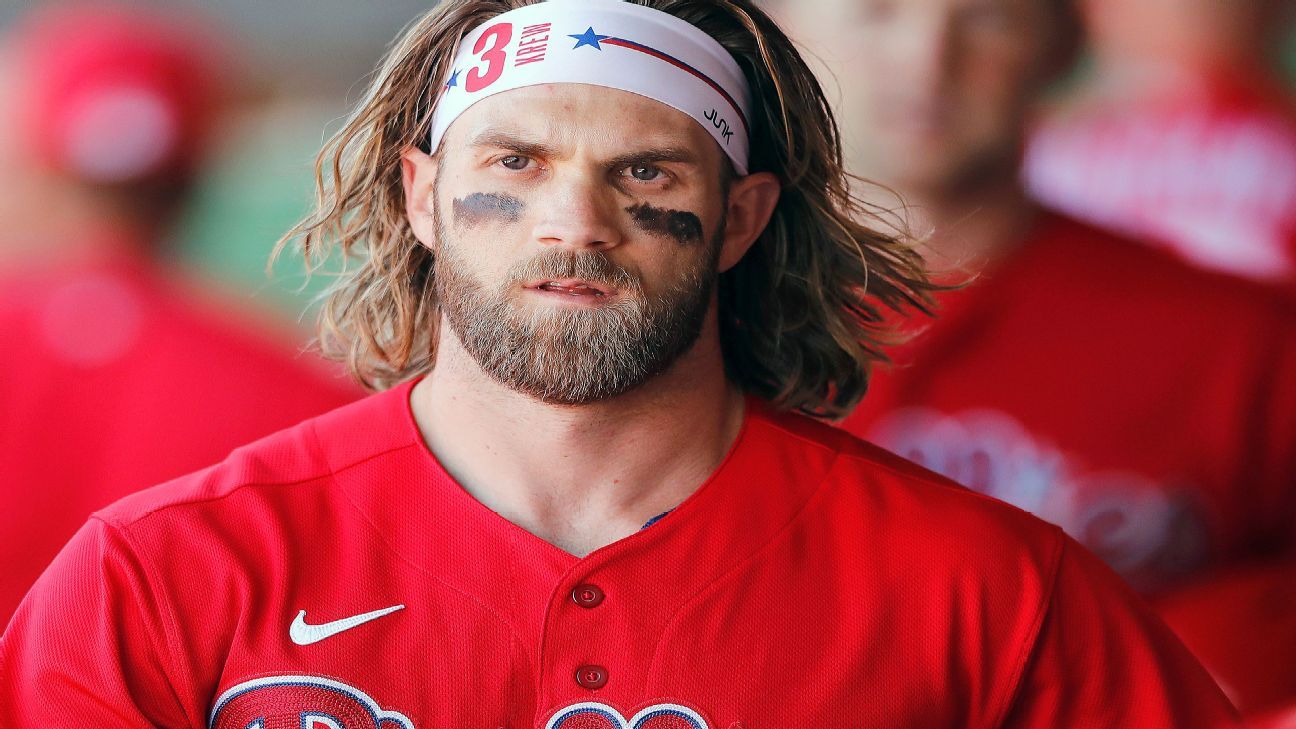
(454, 80)
(589, 38)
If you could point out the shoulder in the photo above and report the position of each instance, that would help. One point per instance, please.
(875, 499)
(305, 456)
(1081, 262)
(885, 536)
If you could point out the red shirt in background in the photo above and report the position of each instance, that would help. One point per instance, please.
(336, 575)
(1207, 171)
(111, 380)
(1147, 407)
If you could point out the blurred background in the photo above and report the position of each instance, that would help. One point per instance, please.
(292, 68)
(297, 64)
(152, 153)
(1111, 185)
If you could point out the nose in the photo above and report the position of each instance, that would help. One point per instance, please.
(578, 212)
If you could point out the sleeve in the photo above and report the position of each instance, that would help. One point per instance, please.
(1102, 659)
(85, 647)
(1241, 623)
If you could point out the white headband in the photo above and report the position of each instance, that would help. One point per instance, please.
(609, 43)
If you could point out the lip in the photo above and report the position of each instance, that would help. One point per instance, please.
(571, 287)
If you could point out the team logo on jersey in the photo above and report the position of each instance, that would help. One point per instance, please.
(1150, 532)
(593, 715)
(301, 702)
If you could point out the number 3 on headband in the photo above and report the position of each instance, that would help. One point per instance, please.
(497, 37)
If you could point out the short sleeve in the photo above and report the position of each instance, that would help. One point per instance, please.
(86, 647)
(1102, 659)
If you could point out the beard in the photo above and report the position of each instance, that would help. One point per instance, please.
(572, 356)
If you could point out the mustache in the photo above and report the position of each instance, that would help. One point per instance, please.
(592, 266)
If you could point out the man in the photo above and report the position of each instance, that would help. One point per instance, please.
(1146, 407)
(107, 114)
(1185, 134)
(614, 255)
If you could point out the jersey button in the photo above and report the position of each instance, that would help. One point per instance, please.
(592, 677)
(587, 596)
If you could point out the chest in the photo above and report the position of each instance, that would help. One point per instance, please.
(773, 647)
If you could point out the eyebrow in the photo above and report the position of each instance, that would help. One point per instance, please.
(681, 155)
(513, 142)
(507, 140)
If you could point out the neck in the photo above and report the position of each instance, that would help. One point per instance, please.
(966, 229)
(580, 476)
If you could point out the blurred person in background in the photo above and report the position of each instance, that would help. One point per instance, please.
(116, 373)
(586, 315)
(1186, 134)
(1146, 406)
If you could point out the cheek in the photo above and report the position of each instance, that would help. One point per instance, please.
(1001, 67)
(474, 248)
(994, 103)
(471, 262)
(669, 271)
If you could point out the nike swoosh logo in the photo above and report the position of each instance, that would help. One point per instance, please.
(303, 633)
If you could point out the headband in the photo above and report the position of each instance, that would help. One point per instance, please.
(609, 43)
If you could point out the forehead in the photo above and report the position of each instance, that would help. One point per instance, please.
(568, 116)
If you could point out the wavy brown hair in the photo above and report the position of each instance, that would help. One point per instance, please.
(801, 316)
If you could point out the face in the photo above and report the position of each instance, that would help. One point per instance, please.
(26, 189)
(933, 92)
(578, 233)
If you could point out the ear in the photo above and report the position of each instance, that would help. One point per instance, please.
(752, 200)
(418, 176)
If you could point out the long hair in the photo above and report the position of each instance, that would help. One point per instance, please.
(802, 316)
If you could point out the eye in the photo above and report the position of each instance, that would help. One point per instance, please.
(645, 173)
(516, 162)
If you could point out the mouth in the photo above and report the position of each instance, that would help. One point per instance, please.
(572, 287)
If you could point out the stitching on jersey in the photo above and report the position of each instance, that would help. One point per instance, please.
(736, 569)
(1032, 637)
(316, 450)
(938, 482)
(382, 538)
(750, 420)
(934, 480)
(166, 612)
(512, 567)
(328, 474)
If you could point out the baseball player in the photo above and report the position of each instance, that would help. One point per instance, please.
(108, 117)
(1145, 406)
(1185, 135)
(611, 264)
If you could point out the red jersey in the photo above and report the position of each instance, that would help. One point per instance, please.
(1147, 407)
(334, 575)
(114, 380)
(1208, 172)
